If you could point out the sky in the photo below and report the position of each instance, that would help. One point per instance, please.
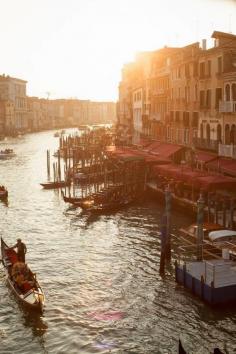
(77, 48)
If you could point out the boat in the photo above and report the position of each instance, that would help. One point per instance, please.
(108, 207)
(190, 232)
(31, 295)
(3, 193)
(56, 184)
(6, 154)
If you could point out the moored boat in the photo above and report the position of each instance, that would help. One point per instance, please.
(3, 193)
(108, 207)
(6, 154)
(56, 184)
(30, 294)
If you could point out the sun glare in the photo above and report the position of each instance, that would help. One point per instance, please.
(77, 49)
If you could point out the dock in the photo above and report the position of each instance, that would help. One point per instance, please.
(214, 281)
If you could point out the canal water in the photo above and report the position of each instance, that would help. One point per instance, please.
(100, 274)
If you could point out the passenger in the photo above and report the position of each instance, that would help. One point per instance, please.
(21, 250)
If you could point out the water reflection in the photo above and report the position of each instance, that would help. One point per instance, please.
(95, 263)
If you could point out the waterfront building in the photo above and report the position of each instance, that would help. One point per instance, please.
(6, 116)
(13, 90)
(101, 112)
(192, 95)
(133, 108)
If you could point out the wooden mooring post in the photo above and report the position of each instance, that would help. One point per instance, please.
(200, 219)
(165, 232)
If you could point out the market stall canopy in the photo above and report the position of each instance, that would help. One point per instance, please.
(224, 165)
(205, 157)
(214, 182)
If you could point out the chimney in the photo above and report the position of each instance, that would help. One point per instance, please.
(204, 44)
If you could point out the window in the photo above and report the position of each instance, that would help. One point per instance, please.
(208, 99)
(218, 97)
(195, 69)
(202, 70)
(187, 72)
(195, 93)
(202, 99)
(219, 62)
(209, 67)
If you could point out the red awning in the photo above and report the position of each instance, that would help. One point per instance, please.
(213, 182)
(224, 165)
(205, 157)
(165, 150)
(184, 174)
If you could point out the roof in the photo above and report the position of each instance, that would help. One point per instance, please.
(224, 165)
(218, 34)
(163, 149)
(213, 182)
(205, 156)
(185, 174)
(215, 235)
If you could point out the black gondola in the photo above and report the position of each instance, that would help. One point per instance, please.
(109, 207)
(54, 185)
(31, 295)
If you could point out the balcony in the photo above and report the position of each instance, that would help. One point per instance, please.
(227, 150)
(205, 144)
(227, 106)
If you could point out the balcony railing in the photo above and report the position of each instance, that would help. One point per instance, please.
(205, 144)
(227, 106)
(227, 150)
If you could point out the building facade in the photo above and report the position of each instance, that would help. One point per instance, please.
(13, 91)
(191, 94)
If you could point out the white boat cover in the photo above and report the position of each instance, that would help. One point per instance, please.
(221, 234)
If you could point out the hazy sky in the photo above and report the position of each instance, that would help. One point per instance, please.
(76, 48)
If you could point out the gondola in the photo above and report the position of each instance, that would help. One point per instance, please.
(3, 193)
(31, 295)
(77, 201)
(109, 207)
(54, 185)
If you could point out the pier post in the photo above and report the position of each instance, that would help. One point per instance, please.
(48, 163)
(163, 227)
(200, 218)
(168, 214)
(231, 221)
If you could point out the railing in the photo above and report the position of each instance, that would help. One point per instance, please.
(227, 150)
(227, 106)
(206, 144)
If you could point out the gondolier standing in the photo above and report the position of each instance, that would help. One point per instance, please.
(21, 250)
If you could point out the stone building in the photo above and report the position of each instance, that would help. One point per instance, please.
(191, 94)
(13, 91)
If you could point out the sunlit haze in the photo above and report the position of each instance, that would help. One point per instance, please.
(76, 48)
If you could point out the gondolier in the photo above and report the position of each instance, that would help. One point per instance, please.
(21, 250)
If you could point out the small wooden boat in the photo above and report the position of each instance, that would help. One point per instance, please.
(30, 295)
(6, 154)
(190, 232)
(56, 184)
(75, 200)
(3, 193)
(109, 207)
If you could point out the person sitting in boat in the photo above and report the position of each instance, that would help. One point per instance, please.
(21, 250)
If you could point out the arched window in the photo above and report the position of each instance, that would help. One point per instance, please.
(227, 92)
(219, 133)
(208, 132)
(233, 135)
(233, 95)
(227, 134)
